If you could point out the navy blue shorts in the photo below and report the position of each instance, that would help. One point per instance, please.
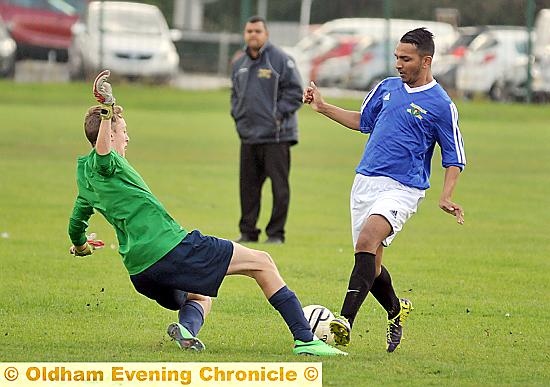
(198, 264)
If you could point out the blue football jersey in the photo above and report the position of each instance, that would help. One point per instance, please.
(405, 124)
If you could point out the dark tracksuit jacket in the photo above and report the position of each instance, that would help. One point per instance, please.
(267, 92)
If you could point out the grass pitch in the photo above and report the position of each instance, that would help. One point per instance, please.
(480, 291)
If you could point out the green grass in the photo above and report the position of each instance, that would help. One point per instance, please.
(480, 291)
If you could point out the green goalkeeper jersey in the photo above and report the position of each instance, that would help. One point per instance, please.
(110, 185)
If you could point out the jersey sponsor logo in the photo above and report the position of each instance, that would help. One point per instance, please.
(386, 97)
(264, 73)
(416, 111)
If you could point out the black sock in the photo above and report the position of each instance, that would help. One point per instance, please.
(383, 291)
(360, 283)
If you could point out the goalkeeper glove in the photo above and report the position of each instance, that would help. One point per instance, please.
(88, 247)
(103, 93)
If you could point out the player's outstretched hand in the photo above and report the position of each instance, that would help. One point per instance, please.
(452, 208)
(88, 248)
(103, 92)
(312, 96)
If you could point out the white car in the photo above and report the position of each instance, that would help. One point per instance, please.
(489, 57)
(130, 39)
(373, 58)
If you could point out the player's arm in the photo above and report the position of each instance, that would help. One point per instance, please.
(348, 118)
(445, 201)
(78, 223)
(104, 95)
(453, 160)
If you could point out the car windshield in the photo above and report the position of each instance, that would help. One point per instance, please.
(131, 21)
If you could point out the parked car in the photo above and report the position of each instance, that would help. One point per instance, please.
(514, 83)
(489, 57)
(41, 28)
(373, 57)
(330, 68)
(309, 51)
(7, 52)
(445, 67)
(130, 39)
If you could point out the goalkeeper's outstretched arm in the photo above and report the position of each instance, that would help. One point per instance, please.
(103, 93)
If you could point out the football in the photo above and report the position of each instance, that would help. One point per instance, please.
(319, 319)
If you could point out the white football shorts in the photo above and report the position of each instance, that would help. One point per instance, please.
(382, 196)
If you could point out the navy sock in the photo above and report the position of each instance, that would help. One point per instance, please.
(286, 303)
(191, 316)
(360, 283)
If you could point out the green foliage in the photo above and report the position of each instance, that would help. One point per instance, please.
(480, 290)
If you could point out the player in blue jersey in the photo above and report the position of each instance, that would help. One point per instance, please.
(405, 117)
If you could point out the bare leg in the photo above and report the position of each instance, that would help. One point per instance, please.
(258, 265)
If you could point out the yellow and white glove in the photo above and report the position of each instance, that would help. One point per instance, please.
(103, 93)
(88, 248)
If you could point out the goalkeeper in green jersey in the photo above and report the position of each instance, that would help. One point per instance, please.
(178, 269)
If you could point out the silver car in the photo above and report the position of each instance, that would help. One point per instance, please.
(130, 39)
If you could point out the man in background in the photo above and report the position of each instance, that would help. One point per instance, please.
(266, 93)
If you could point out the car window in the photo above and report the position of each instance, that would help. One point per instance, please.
(521, 46)
(483, 42)
(127, 20)
(67, 7)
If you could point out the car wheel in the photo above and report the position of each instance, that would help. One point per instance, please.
(499, 92)
(10, 70)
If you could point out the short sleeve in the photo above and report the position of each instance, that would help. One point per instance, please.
(371, 106)
(450, 139)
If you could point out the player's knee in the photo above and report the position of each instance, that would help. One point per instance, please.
(365, 245)
(267, 262)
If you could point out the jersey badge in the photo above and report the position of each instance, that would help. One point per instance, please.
(386, 97)
(416, 111)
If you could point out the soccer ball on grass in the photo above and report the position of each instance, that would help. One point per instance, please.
(319, 319)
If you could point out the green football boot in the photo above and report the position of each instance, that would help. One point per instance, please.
(183, 338)
(316, 348)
